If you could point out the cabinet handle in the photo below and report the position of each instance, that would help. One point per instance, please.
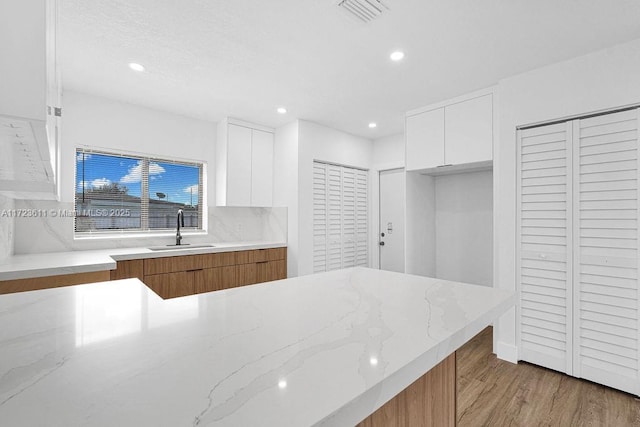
(444, 166)
(261, 262)
(197, 269)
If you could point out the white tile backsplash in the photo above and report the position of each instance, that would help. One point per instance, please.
(226, 224)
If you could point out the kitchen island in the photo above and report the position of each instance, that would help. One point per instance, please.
(325, 349)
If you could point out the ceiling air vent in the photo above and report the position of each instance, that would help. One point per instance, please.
(364, 10)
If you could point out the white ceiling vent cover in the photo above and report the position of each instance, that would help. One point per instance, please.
(364, 10)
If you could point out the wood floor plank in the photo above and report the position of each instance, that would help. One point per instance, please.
(492, 392)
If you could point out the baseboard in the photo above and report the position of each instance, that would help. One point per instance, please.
(507, 352)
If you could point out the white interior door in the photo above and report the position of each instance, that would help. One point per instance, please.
(340, 217)
(391, 234)
(606, 295)
(545, 246)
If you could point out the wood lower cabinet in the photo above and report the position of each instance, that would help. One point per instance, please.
(36, 283)
(172, 285)
(247, 274)
(215, 279)
(128, 270)
(177, 276)
(262, 265)
(271, 270)
(429, 401)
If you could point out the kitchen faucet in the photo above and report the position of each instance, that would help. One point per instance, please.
(180, 221)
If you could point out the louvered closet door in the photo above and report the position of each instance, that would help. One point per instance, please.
(606, 257)
(362, 218)
(320, 217)
(544, 241)
(340, 217)
(348, 217)
(334, 217)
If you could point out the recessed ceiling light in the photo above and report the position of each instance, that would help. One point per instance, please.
(397, 55)
(136, 67)
(373, 125)
(282, 110)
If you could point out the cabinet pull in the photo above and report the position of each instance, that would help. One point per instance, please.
(444, 166)
(197, 269)
(261, 262)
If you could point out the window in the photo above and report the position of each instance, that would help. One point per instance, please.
(117, 192)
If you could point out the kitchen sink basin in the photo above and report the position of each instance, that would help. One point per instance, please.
(182, 246)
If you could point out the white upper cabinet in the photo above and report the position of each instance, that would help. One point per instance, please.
(29, 99)
(244, 164)
(456, 132)
(425, 140)
(468, 127)
(261, 168)
(239, 166)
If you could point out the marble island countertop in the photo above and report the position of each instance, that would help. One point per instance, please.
(83, 261)
(324, 349)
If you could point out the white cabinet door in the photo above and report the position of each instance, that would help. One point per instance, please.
(238, 166)
(261, 168)
(606, 291)
(469, 131)
(425, 140)
(545, 246)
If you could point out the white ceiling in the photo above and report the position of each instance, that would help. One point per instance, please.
(243, 58)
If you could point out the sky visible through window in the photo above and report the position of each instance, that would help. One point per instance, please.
(167, 181)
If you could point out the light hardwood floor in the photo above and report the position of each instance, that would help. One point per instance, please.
(492, 392)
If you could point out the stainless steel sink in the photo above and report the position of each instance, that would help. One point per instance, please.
(182, 246)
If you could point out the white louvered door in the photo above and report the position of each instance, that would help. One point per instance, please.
(606, 255)
(544, 246)
(348, 217)
(334, 218)
(362, 218)
(578, 235)
(320, 217)
(340, 217)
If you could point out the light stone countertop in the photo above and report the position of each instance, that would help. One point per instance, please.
(324, 349)
(57, 263)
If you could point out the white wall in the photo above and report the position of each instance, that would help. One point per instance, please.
(464, 227)
(598, 81)
(388, 153)
(420, 242)
(285, 186)
(317, 142)
(102, 123)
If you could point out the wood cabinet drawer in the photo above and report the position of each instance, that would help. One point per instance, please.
(169, 264)
(261, 255)
(188, 262)
(215, 279)
(271, 270)
(246, 274)
(171, 285)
